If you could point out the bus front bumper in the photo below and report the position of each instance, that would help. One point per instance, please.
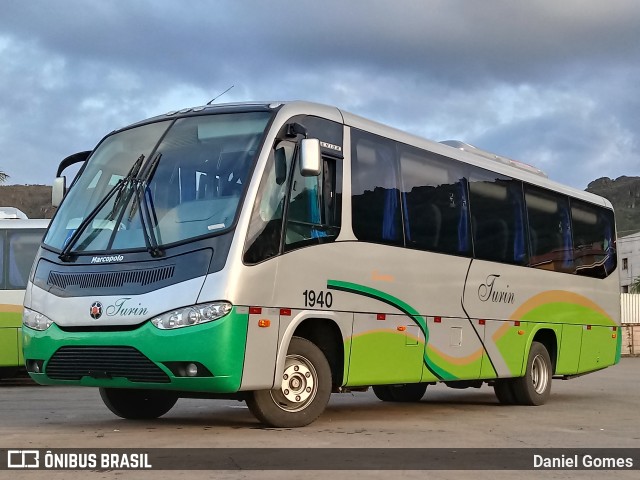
(205, 358)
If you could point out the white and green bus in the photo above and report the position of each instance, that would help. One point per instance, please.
(279, 252)
(19, 242)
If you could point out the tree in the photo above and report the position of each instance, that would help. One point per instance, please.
(635, 286)
(3, 177)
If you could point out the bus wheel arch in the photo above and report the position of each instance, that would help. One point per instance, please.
(548, 338)
(326, 335)
(304, 391)
(534, 387)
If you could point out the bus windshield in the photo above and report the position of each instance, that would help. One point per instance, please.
(162, 182)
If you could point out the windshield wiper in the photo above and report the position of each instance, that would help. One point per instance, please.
(123, 197)
(65, 255)
(146, 219)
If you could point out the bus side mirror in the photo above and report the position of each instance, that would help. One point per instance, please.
(310, 157)
(58, 190)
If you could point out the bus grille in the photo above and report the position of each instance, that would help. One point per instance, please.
(141, 277)
(73, 363)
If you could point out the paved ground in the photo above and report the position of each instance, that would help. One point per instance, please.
(598, 410)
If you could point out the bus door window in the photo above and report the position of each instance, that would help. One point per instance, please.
(265, 226)
(313, 210)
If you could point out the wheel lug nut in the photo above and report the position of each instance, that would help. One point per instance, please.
(286, 392)
(297, 398)
(307, 374)
(285, 376)
(296, 368)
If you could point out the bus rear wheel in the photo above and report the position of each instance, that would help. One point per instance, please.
(305, 390)
(410, 392)
(535, 387)
(136, 404)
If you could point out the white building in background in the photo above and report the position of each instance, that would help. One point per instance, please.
(628, 260)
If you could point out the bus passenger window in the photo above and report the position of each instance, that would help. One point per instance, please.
(593, 239)
(434, 195)
(497, 212)
(375, 190)
(23, 246)
(549, 230)
(2, 267)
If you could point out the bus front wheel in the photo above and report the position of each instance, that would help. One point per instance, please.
(305, 390)
(535, 387)
(136, 404)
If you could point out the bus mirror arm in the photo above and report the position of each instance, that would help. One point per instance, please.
(310, 157)
(60, 183)
(71, 160)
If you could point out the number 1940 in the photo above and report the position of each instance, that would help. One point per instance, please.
(321, 298)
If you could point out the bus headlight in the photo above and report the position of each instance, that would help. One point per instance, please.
(192, 315)
(35, 320)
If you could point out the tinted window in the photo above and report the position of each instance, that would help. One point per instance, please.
(313, 215)
(2, 261)
(498, 219)
(549, 230)
(265, 227)
(22, 246)
(434, 194)
(594, 250)
(375, 192)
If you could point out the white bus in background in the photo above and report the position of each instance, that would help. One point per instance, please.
(7, 213)
(19, 241)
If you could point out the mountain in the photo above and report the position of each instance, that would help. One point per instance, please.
(624, 194)
(34, 200)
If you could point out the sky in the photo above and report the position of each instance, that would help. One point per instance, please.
(548, 82)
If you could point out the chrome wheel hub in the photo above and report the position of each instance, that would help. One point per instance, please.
(299, 384)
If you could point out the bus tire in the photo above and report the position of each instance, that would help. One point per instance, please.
(410, 392)
(504, 391)
(535, 387)
(134, 404)
(305, 390)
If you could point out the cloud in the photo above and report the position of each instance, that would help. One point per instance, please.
(550, 83)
